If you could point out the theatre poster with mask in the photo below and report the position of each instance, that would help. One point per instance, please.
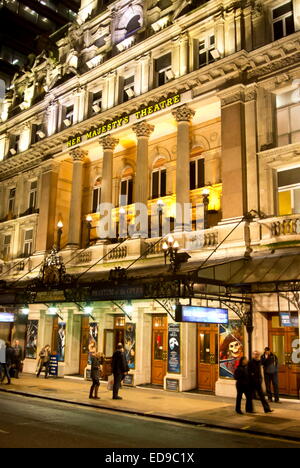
(231, 347)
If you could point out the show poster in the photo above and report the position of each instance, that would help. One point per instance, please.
(31, 339)
(61, 341)
(174, 348)
(130, 344)
(231, 347)
(93, 340)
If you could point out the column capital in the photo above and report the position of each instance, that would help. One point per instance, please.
(108, 142)
(78, 154)
(143, 129)
(183, 113)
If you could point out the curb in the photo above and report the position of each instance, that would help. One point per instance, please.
(157, 416)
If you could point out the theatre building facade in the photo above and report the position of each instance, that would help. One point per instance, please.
(180, 107)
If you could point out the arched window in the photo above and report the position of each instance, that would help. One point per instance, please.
(96, 195)
(159, 179)
(133, 25)
(126, 188)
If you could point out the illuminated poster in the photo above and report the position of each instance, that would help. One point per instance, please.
(93, 340)
(231, 347)
(130, 330)
(174, 348)
(31, 339)
(61, 341)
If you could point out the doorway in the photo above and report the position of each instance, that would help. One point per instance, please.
(119, 330)
(207, 357)
(159, 349)
(281, 343)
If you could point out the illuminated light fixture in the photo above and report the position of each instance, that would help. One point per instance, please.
(94, 62)
(205, 192)
(15, 61)
(128, 307)
(126, 44)
(67, 122)
(89, 218)
(130, 93)
(96, 108)
(25, 310)
(41, 134)
(122, 211)
(12, 151)
(170, 75)
(88, 309)
(60, 225)
(215, 54)
(52, 310)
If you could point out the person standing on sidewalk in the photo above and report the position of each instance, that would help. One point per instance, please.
(44, 361)
(119, 369)
(96, 367)
(255, 372)
(18, 358)
(243, 386)
(270, 364)
(7, 363)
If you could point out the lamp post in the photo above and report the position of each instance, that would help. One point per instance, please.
(171, 248)
(89, 221)
(205, 195)
(59, 234)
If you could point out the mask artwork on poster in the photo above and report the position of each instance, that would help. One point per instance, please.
(231, 347)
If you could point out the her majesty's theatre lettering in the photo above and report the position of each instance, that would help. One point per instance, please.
(120, 122)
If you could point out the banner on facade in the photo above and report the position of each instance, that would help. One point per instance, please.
(31, 339)
(174, 348)
(231, 347)
(129, 346)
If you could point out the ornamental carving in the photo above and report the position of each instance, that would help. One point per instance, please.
(143, 129)
(183, 114)
(78, 154)
(108, 142)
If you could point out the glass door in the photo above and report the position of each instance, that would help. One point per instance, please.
(159, 349)
(207, 357)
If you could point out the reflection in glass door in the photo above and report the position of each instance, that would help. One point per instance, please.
(208, 338)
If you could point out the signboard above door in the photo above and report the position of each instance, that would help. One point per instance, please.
(195, 314)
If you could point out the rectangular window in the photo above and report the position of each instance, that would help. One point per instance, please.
(69, 118)
(288, 125)
(33, 195)
(128, 89)
(6, 247)
(126, 196)
(28, 243)
(159, 183)
(197, 174)
(163, 69)
(283, 21)
(97, 102)
(206, 46)
(289, 191)
(11, 200)
(96, 199)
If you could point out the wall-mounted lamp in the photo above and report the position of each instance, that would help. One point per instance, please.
(59, 234)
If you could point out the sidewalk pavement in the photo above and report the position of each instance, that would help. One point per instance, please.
(187, 408)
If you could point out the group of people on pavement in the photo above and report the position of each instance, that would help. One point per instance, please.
(119, 370)
(249, 380)
(11, 361)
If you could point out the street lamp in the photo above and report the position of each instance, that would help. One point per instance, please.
(171, 247)
(59, 234)
(25, 310)
(89, 221)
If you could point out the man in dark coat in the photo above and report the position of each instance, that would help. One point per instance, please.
(255, 373)
(9, 354)
(242, 378)
(119, 369)
(270, 364)
(18, 358)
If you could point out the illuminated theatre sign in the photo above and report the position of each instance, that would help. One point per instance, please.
(123, 120)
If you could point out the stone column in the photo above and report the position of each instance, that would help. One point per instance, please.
(108, 143)
(144, 73)
(46, 229)
(184, 54)
(143, 132)
(183, 116)
(74, 234)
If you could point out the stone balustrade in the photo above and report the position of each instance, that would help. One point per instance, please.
(281, 228)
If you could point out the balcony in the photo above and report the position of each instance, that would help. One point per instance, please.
(282, 231)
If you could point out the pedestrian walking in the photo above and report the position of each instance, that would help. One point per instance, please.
(256, 380)
(18, 358)
(6, 365)
(243, 386)
(96, 369)
(44, 361)
(119, 369)
(270, 364)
